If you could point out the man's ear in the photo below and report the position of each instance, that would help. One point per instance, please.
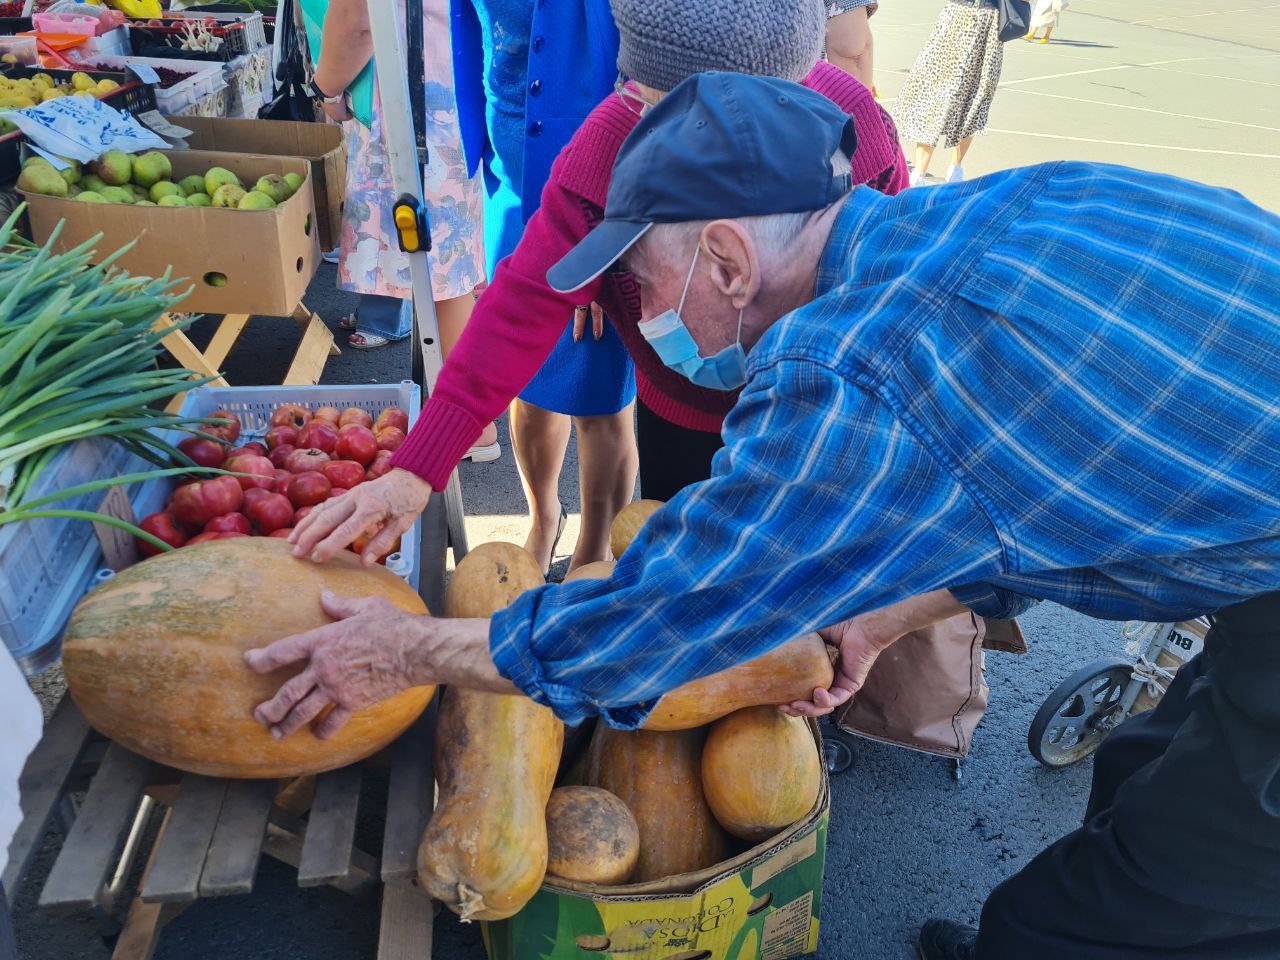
(735, 267)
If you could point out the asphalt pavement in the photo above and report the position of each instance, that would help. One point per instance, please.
(1167, 85)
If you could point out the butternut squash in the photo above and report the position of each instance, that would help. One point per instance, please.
(790, 672)
(760, 772)
(154, 657)
(659, 777)
(484, 853)
(591, 835)
(628, 523)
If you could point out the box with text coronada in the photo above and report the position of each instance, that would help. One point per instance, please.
(762, 905)
(237, 261)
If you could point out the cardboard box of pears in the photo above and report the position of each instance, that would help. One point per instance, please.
(240, 227)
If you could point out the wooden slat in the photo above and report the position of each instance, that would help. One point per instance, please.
(312, 355)
(141, 931)
(233, 854)
(41, 785)
(284, 842)
(303, 315)
(94, 842)
(410, 798)
(331, 828)
(224, 339)
(179, 856)
(405, 929)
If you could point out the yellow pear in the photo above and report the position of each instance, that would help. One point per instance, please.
(82, 81)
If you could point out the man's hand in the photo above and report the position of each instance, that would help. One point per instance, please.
(393, 502)
(862, 639)
(361, 658)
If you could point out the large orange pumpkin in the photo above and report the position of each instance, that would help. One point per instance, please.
(628, 523)
(154, 657)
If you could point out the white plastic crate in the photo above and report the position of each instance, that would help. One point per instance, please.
(206, 78)
(46, 566)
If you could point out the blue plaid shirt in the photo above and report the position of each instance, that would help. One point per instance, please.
(1058, 382)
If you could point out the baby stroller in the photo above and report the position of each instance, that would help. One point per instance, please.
(1097, 698)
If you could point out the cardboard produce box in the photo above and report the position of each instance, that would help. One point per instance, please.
(238, 261)
(321, 143)
(762, 905)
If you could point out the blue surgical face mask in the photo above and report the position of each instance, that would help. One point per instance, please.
(675, 347)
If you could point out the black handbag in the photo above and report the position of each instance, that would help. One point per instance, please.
(1015, 19)
(293, 100)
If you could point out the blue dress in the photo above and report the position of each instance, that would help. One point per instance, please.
(527, 73)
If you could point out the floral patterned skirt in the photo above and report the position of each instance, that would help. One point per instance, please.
(372, 261)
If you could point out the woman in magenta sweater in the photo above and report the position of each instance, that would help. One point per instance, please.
(519, 318)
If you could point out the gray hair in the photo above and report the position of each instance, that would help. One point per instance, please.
(772, 234)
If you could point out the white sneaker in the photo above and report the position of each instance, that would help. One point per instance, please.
(955, 173)
(485, 454)
(917, 179)
(332, 256)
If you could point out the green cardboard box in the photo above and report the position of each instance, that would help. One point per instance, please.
(762, 905)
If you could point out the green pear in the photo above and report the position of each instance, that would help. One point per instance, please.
(172, 200)
(72, 174)
(294, 180)
(90, 196)
(274, 186)
(43, 179)
(144, 203)
(255, 200)
(150, 168)
(220, 177)
(165, 188)
(200, 199)
(117, 195)
(228, 195)
(91, 182)
(192, 185)
(115, 168)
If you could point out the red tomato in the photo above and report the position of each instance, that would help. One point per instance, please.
(319, 435)
(282, 435)
(390, 438)
(195, 504)
(310, 488)
(264, 474)
(251, 449)
(272, 511)
(328, 414)
(357, 443)
(381, 465)
(362, 541)
(344, 473)
(204, 453)
(392, 417)
(301, 514)
(355, 415)
(283, 533)
(290, 415)
(229, 523)
(160, 525)
(206, 537)
(250, 496)
(226, 432)
(280, 454)
(302, 461)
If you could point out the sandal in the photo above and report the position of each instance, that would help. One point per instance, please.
(348, 322)
(367, 341)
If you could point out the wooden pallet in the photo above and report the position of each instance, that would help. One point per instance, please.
(314, 350)
(213, 833)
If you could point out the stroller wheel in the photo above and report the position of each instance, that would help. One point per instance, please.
(1075, 718)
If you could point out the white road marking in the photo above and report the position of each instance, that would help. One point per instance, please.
(1165, 113)
(1128, 143)
(1211, 13)
(1119, 66)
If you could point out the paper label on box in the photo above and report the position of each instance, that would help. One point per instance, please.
(786, 930)
(144, 72)
(800, 850)
(119, 549)
(154, 120)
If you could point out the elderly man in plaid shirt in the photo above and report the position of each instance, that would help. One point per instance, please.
(1059, 382)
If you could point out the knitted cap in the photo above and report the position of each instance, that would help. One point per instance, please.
(663, 42)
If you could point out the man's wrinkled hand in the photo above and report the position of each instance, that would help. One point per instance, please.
(349, 664)
(392, 502)
(860, 641)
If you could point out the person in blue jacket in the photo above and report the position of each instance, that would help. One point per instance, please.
(527, 73)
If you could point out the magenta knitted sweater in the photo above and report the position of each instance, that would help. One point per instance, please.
(518, 319)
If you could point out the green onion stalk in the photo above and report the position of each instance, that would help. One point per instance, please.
(79, 352)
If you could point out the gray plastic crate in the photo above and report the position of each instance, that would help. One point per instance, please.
(47, 565)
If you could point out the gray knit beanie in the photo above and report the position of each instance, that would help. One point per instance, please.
(666, 41)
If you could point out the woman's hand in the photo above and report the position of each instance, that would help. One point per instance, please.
(392, 502)
(337, 112)
(594, 313)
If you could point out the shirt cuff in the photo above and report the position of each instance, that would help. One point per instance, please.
(440, 438)
(992, 602)
(510, 645)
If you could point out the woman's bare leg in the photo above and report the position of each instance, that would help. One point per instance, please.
(607, 466)
(540, 438)
(924, 155)
(960, 150)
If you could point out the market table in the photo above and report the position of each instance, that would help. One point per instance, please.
(213, 832)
